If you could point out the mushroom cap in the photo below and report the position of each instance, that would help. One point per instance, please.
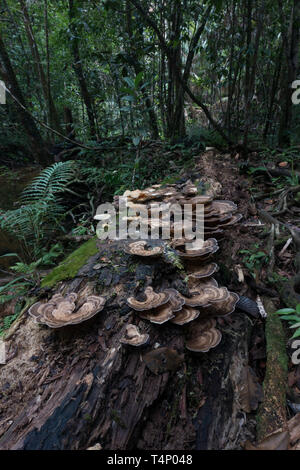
(141, 248)
(222, 308)
(159, 315)
(176, 300)
(233, 220)
(133, 337)
(62, 311)
(210, 246)
(185, 315)
(205, 341)
(205, 200)
(205, 271)
(223, 207)
(204, 296)
(189, 190)
(196, 284)
(211, 222)
(153, 300)
(137, 195)
(216, 294)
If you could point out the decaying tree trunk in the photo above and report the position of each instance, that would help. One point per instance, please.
(73, 387)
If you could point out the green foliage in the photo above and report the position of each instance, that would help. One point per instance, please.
(174, 259)
(29, 275)
(292, 316)
(254, 259)
(41, 209)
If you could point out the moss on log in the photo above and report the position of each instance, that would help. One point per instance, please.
(272, 412)
(71, 265)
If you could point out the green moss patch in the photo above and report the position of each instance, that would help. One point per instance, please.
(71, 265)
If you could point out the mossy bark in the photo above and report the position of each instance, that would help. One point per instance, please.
(71, 265)
(272, 412)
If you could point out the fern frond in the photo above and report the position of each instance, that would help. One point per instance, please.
(50, 182)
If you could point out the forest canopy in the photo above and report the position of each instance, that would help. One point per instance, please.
(91, 70)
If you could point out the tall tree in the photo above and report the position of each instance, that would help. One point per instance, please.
(28, 123)
(78, 68)
(44, 80)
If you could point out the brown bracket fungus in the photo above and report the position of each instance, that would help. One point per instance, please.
(176, 300)
(141, 248)
(62, 311)
(159, 315)
(204, 272)
(133, 337)
(185, 315)
(209, 247)
(152, 301)
(204, 341)
(222, 308)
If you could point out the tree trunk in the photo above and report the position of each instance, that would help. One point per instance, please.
(25, 118)
(291, 45)
(138, 69)
(77, 64)
(45, 83)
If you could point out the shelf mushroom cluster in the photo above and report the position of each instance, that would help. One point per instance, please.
(206, 301)
(218, 215)
(61, 311)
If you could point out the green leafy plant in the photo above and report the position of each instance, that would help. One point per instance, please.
(292, 315)
(253, 259)
(41, 209)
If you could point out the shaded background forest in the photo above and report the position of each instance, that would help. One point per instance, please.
(216, 71)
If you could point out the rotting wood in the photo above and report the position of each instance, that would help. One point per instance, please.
(272, 412)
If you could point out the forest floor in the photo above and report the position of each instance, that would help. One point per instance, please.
(71, 390)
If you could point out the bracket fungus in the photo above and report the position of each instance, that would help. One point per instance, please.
(222, 308)
(209, 247)
(185, 315)
(61, 311)
(159, 315)
(152, 300)
(143, 249)
(204, 340)
(203, 272)
(133, 337)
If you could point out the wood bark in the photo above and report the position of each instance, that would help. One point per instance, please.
(79, 386)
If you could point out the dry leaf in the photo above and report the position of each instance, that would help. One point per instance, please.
(250, 390)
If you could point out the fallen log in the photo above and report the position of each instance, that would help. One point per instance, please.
(78, 386)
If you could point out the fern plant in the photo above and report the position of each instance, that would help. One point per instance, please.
(41, 208)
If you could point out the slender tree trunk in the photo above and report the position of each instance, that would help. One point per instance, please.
(25, 118)
(79, 69)
(138, 69)
(274, 89)
(53, 116)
